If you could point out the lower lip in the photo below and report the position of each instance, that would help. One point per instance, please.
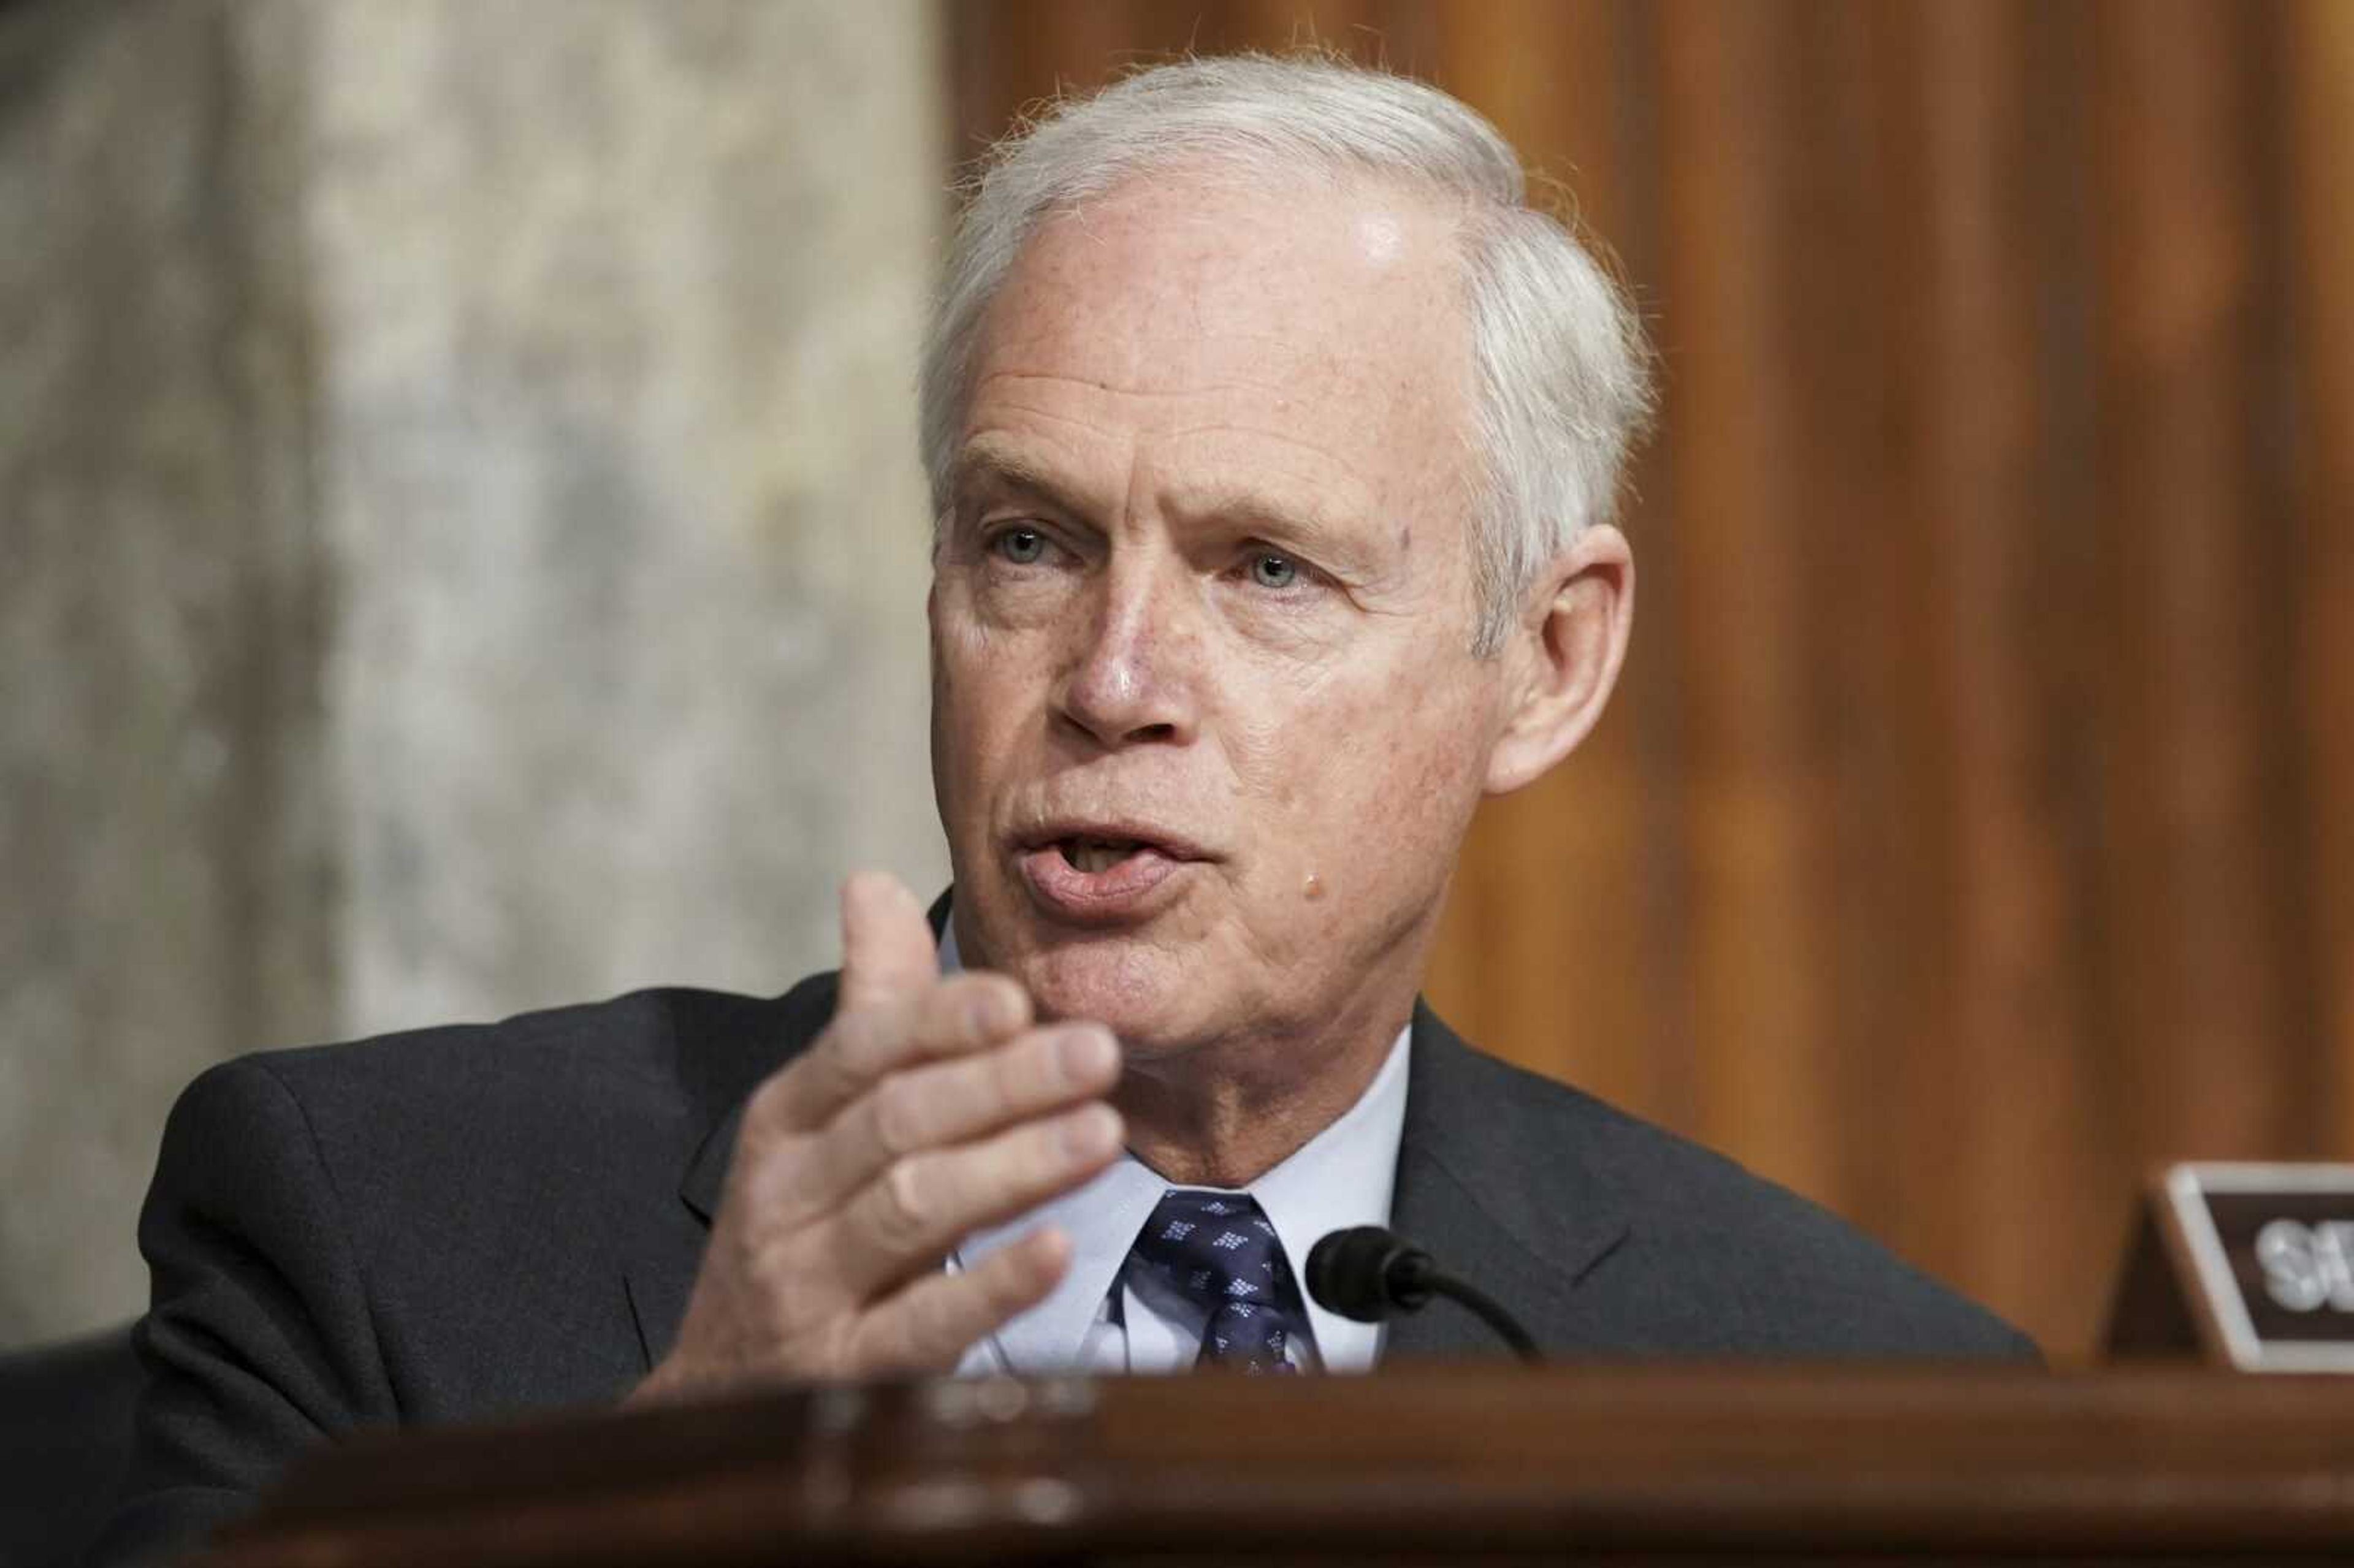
(1126, 890)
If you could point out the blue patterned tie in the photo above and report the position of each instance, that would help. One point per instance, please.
(1218, 1250)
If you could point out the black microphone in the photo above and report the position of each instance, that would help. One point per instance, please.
(1372, 1275)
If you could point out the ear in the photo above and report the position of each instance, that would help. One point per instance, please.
(1564, 658)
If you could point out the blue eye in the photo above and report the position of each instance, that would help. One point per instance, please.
(1022, 546)
(1269, 570)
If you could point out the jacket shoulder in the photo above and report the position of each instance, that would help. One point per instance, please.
(424, 1226)
(540, 1154)
(1715, 1257)
(476, 1193)
(695, 1046)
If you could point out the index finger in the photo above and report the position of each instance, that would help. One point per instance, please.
(965, 1012)
(887, 951)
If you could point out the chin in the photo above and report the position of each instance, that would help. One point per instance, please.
(1143, 993)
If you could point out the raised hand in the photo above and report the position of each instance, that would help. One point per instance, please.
(930, 1108)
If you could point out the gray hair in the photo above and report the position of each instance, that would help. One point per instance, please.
(1563, 385)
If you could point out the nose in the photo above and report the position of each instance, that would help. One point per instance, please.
(1131, 679)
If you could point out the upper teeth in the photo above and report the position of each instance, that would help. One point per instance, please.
(1097, 854)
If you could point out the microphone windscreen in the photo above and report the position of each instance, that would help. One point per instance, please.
(1348, 1272)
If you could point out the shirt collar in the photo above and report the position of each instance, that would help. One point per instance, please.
(1343, 1176)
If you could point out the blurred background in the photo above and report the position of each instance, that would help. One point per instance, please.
(461, 550)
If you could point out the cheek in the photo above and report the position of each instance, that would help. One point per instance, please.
(1365, 786)
(977, 657)
(972, 702)
(1265, 748)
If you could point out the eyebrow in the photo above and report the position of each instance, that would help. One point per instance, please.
(986, 465)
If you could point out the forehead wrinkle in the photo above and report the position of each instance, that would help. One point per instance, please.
(1325, 458)
(1285, 387)
(1325, 474)
(1324, 471)
(1287, 395)
(1299, 503)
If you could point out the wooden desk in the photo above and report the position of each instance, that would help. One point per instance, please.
(1616, 1463)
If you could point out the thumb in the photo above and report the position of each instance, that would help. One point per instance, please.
(887, 945)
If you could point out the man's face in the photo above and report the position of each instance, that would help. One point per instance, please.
(1206, 729)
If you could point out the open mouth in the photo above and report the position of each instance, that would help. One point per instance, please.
(1093, 855)
(1097, 873)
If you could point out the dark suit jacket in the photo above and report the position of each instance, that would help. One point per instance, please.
(463, 1222)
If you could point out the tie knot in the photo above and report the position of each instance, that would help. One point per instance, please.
(1219, 1251)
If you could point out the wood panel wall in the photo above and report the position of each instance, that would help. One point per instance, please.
(1968, 833)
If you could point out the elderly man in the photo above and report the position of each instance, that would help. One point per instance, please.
(1272, 441)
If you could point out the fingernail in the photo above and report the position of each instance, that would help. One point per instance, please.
(1086, 1053)
(1091, 1133)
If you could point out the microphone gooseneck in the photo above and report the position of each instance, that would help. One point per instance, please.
(1372, 1275)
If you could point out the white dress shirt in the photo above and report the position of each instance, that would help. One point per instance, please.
(1097, 1320)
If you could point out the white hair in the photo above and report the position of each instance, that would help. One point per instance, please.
(1563, 385)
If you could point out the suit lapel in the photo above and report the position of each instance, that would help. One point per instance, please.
(1485, 1186)
(707, 1173)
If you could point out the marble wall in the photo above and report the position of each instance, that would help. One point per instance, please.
(460, 547)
